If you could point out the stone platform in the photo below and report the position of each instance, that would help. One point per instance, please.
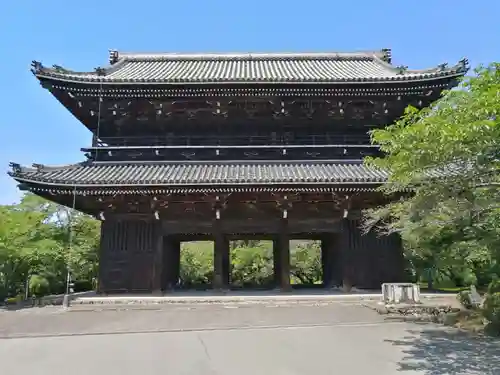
(236, 297)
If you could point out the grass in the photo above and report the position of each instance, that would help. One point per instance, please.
(443, 289)
(449, 289)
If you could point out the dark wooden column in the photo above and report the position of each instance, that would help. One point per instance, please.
(171, 262)
(281, 255)
(276, 262)
(330, 260)
(222, 260)
(176, 260)
(158, 269)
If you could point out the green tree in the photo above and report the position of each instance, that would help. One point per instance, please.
(196, 263)
(252, 265)
(24, 241)
(34, 243)
(448, 157)
(305, 263)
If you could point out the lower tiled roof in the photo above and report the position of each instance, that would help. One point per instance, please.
(199, 173)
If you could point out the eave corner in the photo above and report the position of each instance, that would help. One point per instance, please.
(16, 169)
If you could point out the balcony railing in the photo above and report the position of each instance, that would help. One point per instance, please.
(236, 140)
(233, 152)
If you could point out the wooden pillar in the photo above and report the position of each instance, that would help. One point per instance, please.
(158, 269)
(171, 262)
(330, 260)
(222, 261)
(348, 254)
(276, 263)
(281, 252)
(176, 261)
(325, 261)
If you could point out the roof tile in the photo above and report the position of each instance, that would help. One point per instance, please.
(251, 68)
(175, 174)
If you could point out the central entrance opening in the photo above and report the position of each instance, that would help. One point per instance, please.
(258, 262)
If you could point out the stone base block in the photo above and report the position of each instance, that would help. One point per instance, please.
(400, 293)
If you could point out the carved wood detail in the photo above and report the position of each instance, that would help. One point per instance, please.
(119, 116)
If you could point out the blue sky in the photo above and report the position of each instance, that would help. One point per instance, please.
(34, 127)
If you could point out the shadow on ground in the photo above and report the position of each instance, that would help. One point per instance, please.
(434, 351)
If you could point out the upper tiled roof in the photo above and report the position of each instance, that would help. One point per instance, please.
(250, 68)
(199, 173)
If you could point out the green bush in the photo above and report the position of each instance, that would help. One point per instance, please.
(491, 306)
(83, 286)
(39, 286)
(491, 310)
(11, 300)
(196, 264)
(486, 274)
(469, 278)
(494, 287)
(252, 266)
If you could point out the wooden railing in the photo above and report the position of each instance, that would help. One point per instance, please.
(224, 140)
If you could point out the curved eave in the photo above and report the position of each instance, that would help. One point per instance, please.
(403, 79)
(70, 184)
(193, 189)
(208, 174)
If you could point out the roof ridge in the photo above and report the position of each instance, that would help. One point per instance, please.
(115, 55)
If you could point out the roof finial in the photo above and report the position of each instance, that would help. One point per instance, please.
(387, 55)
(39, 167)
(442, 66)
(463, 64)
(60, 69)
(100, 71)
(16, 168)
(113, 56)
(402, 69)
(36, 66)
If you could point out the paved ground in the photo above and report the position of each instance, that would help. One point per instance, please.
(274, 338)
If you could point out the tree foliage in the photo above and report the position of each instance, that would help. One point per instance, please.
(447, 157)
(36, 247)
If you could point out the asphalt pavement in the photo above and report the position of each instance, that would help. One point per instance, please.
(273, 338)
